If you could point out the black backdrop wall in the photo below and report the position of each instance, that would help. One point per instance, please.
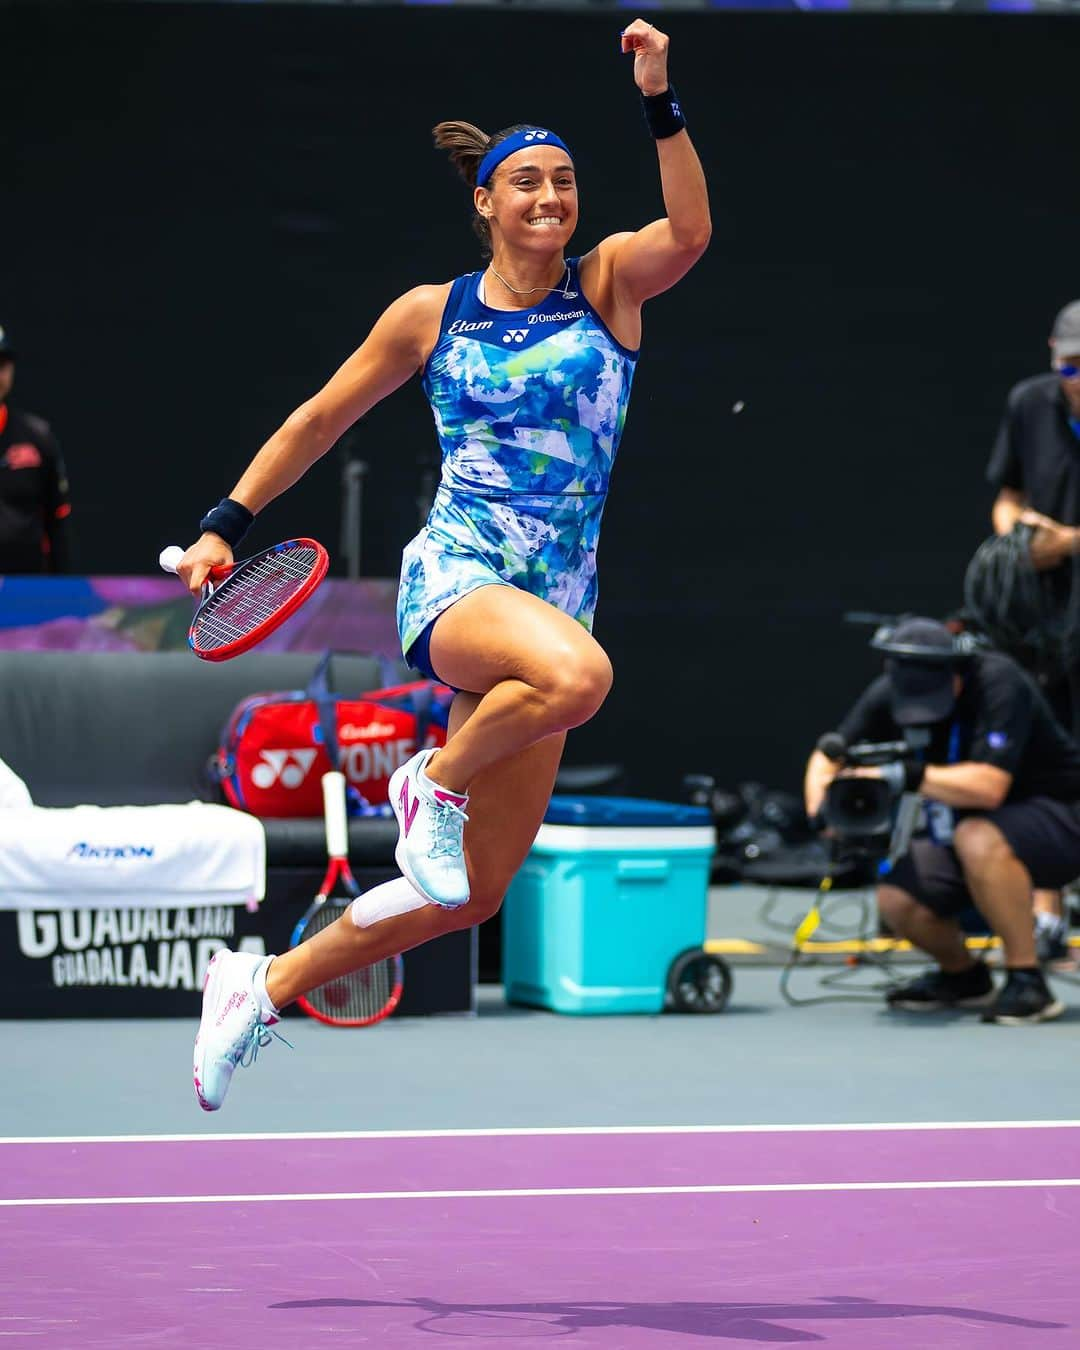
(205, 208)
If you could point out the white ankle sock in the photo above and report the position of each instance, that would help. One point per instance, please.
(1050, 923)
(262, 998)
(385, 902)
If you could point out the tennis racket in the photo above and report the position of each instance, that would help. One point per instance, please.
(244, 603)
(363, 996)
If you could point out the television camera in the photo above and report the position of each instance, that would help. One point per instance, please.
(872, 814)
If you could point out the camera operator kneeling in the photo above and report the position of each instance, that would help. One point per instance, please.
(1000, 782)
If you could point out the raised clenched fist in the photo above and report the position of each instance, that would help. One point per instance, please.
(650, 48)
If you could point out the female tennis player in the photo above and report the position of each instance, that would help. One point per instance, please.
(527, 365)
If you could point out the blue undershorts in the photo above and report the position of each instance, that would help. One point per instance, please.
(419, 655)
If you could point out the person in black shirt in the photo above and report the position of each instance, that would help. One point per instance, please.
(34, 505)
(1035, 470)
(1010, 774)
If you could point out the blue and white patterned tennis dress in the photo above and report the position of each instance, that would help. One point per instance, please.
(529, 407)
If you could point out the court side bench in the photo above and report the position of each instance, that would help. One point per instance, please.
(138, 729)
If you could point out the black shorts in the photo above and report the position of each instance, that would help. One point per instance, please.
(1043, 833)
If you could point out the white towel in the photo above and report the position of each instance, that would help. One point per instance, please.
(128, 857)
(13, 791)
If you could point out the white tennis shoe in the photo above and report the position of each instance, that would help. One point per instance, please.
(431, 822)
(232, 1028)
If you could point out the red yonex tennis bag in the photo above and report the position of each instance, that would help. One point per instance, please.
(275, 747)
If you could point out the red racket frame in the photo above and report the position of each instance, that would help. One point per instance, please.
(219, 577)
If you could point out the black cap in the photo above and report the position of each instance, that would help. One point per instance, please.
(1065, 337)
(6, 349)
(920, 665)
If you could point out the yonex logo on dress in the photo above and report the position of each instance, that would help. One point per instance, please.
(515, 335)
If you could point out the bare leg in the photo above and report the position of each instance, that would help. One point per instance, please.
(537, 672)
(940, 938)
(507, 805)
(342, 947)
(1000, 886)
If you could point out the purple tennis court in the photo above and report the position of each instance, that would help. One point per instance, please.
(849, 1236)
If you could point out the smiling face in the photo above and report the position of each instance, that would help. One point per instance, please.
(532, 200)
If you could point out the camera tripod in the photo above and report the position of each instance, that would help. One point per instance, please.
(863, 945)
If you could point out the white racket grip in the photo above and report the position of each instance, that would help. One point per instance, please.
(169, 558)
(337, 825)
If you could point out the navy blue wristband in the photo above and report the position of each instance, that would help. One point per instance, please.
(663, 113)
(231, 520)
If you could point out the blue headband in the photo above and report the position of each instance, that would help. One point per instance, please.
(518, 141)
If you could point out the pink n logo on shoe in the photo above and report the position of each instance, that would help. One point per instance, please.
(408, 812)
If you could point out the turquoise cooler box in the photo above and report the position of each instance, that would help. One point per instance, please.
(613, 889)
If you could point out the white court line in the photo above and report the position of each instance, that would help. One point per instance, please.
(526, 1131)
(785, 1188)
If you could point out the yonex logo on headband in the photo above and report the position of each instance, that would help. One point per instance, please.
(518, 141)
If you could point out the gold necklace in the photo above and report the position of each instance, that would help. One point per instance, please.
(566, 294)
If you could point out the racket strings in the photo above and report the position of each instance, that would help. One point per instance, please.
(362, 994)
(251, 601)
(253, 595)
